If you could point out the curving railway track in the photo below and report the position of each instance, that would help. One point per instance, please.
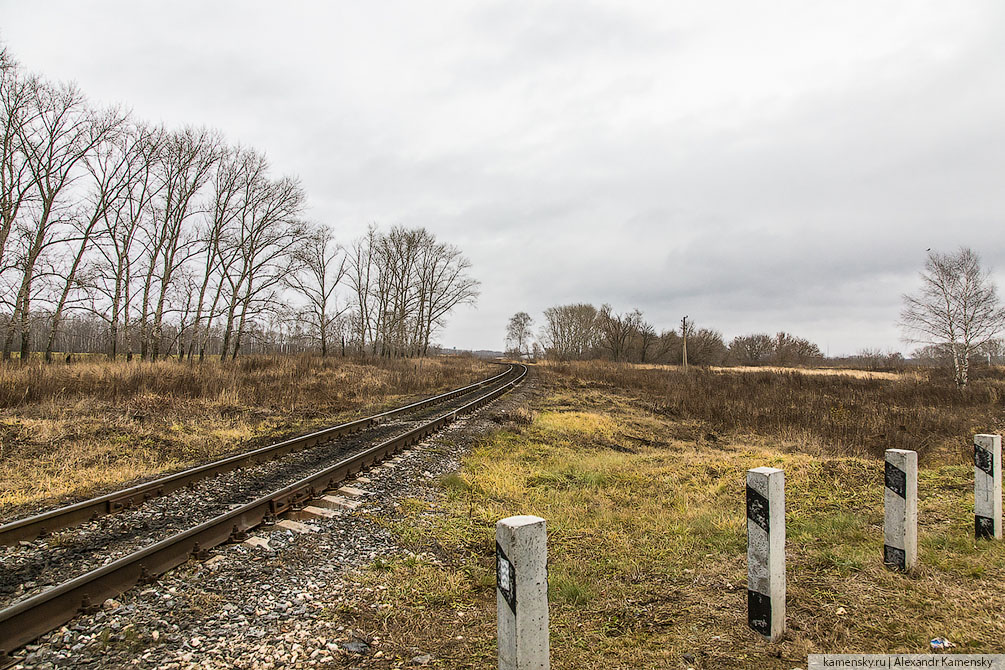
(113, 542)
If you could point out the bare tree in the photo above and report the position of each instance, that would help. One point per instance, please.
(668, 347)
(15, 182)
(793, 350)
(752, 349)
(269, 228)
(362, 280)
(404, 284)
(519, 334)
(55, 138)
(570, 331)
(162, 235)
(119, 243)
(397, 294)
(957, 306)
(186, 160)
(877, 359)
(444, 284)
(109, 167)
(646, 338)
(219, 239)
(705, 346)
(616, 331)
(321, 267)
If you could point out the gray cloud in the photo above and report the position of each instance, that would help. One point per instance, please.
(758, 166)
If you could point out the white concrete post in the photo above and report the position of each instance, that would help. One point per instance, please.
(988, 486)
(900, 508)
(522, 593)
(766, 551)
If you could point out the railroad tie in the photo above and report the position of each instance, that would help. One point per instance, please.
(313, 512)
(336, 502)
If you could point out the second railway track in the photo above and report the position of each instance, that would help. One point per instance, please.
(112, 552)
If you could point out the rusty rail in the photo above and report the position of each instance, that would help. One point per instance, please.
(31, 527)
(33, 617)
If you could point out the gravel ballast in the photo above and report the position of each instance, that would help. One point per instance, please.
(32, 567)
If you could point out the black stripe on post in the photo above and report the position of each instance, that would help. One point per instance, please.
(984, 460)
(506, 578)
(759, 612)
(984, 527)
(895, 558)
(896, 480)
(757, 508)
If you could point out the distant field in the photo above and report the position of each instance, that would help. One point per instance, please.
(71, 430)
(847, 372)
(646, 517)
(814, 411)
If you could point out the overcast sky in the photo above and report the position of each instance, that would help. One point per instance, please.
(758, 166)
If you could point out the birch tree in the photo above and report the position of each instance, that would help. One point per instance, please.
(518, 333)
(957, 307)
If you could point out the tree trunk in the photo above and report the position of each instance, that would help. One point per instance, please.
(145, 315)
(57, 315)
(113, 325)
(227, 332)
(957, 368)
(113, 332)
(8, 344)
(965, 368)
(240, 330)
(26, 327)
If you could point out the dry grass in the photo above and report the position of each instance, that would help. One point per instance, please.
(67, 431)
(647, 547)
(833, 414)
(846, 372)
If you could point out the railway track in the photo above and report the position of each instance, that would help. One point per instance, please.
(111, 554)
(117, 501)
(27, 570)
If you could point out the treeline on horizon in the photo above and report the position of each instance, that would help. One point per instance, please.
(122, 237)
(582, 332)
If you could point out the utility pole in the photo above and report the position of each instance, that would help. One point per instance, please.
(683, 333)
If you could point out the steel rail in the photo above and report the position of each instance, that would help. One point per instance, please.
(33, 617)
(31, 527)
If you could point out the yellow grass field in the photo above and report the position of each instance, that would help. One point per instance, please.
(844, 372)
(647, 539)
